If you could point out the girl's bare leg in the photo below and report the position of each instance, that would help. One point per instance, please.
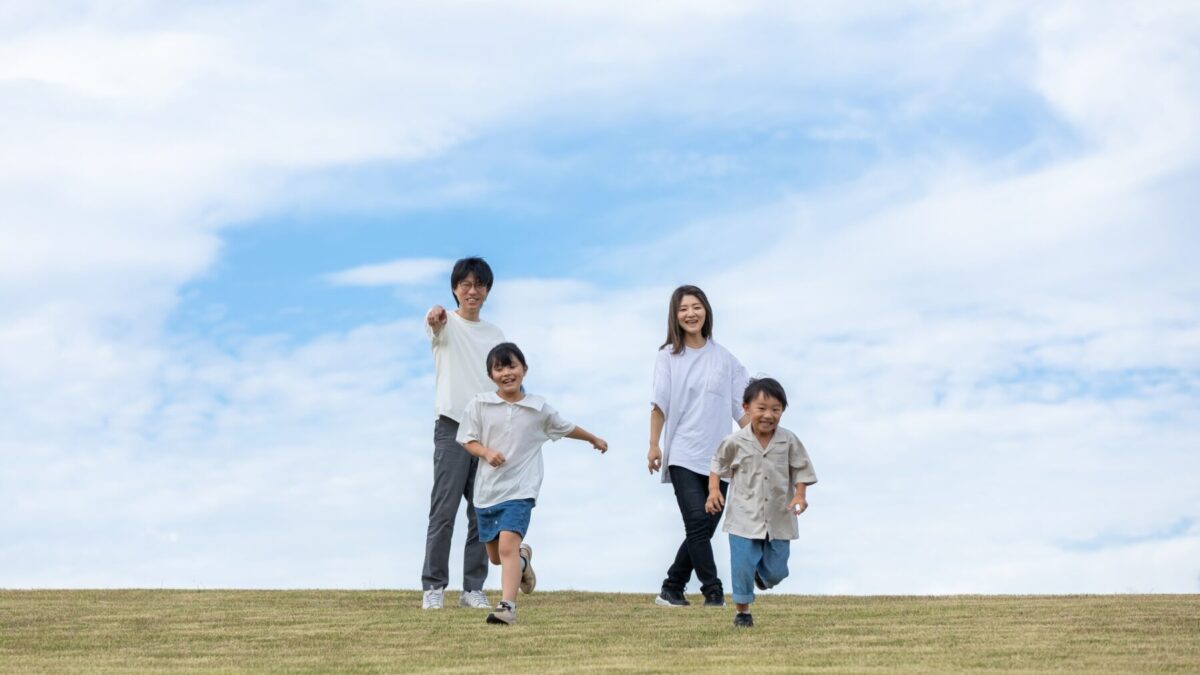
(510, 563)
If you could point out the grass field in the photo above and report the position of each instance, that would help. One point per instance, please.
(384, 631)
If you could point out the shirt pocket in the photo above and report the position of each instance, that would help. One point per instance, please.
(716, 382)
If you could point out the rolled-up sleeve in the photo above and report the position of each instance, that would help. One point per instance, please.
(800, 467)
(661, 395)
(724, 459)
(469, 428)
(555, 426)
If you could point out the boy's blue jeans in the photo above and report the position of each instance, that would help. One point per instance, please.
(768, 557)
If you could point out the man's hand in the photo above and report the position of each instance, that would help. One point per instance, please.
(436, 318)
(493, 457)
(600, 444)
(798, 505)
(715, 502)
(654, 458)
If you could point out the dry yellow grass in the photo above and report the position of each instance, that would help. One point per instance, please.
(384, 631)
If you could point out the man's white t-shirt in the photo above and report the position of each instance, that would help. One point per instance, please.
(698, 391)
(459, 352)
(517, 431)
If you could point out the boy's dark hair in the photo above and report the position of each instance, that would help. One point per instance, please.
(503, 355)
(674, 331)
(467, 266)
(766, 386)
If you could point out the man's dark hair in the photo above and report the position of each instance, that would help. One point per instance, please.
(766, 386)
(503, 354)
(468, 266)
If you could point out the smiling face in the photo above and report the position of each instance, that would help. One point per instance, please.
(691, 315)
(470, 293)
(508, 378)
(764, 412)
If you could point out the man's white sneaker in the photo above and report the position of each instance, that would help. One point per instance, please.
(528, 578)
(432, 598)
(474, 600)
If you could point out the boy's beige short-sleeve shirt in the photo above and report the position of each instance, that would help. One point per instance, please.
(762, 482)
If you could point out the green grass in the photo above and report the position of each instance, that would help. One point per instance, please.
(384, 631)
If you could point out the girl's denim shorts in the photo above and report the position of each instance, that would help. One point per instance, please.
(512, 515)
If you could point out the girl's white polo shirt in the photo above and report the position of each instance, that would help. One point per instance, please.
(516, 430)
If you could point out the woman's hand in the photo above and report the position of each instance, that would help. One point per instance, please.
(715, 502)
(798, 505)
(493, 457)
(600, 444)
(654, 458)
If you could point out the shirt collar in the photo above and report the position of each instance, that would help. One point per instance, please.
(747, 434)
(531, 401)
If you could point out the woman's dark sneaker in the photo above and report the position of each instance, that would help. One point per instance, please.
(671, 598)
(714, 599)
(743, 620)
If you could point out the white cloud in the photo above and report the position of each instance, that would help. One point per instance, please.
(403, 272)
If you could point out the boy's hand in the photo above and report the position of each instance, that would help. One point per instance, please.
(715, 502)
(798, 505)
(493, 457)
(436, 318)
(654, 458)
(600, 444)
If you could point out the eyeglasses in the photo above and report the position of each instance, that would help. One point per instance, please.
(465, 286)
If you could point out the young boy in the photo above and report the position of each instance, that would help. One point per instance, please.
(769, 473)
(506, 430)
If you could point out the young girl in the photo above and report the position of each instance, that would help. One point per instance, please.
(506, 430)
(698, 389)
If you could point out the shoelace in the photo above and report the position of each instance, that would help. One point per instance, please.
(476, 597)
(433, 598)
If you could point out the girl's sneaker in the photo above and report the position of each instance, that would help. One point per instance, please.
(528, 578)
(743, 620)
(504, 614)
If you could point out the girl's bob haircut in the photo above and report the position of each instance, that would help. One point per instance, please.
(504, 354)
(674, 330)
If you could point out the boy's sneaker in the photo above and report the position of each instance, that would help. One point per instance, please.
(714, 599)
(504, 614)
(759, 583)
(743, 620)
(474, 600)
(432, 599)
(671, 598)
(528, 578)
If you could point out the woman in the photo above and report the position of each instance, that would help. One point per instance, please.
(698, 388)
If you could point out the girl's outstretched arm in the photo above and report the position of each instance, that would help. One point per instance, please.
(581, 434)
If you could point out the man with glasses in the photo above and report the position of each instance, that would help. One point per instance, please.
(461, 342)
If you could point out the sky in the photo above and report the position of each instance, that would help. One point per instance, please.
(962, 235)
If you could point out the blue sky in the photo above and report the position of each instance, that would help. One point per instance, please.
(548, 197)
(962, 236)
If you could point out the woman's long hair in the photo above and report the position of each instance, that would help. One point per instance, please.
(674, 330)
